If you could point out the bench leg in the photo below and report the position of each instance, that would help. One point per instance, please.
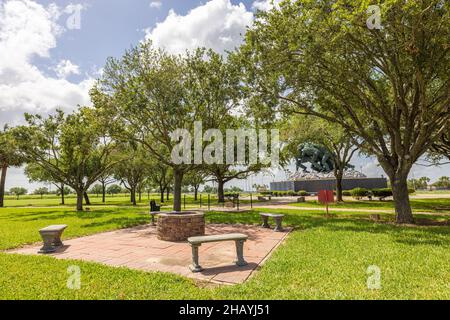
(240, 253)
(57, 241)
(265, 222)
(48, 240)
(153, 219)
(278, 222)
(195, 267)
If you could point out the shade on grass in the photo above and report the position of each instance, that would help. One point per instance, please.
(321, 259)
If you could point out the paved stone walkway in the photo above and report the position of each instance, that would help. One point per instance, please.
(139, 248)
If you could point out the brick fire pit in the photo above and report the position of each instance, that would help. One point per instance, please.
(176, 226)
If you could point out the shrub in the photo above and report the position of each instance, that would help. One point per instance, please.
(290, 193)
(303, 193)
(382, 193)
(347, 193)
(231, 195)
(359, 193)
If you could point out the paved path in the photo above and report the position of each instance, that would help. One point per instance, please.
(139, 248)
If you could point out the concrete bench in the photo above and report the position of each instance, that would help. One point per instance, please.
(51, 236)
(278, 220)
(196, 242)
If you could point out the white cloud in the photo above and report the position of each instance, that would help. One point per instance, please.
(28, 30)
(218, 24)
(65, 68)
(155, 4)
(265, 5)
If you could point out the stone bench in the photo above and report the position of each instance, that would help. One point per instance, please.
(277, 217)
(196, 242)
(51, 236)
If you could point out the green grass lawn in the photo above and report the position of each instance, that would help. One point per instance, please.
(321, 259)
(116, 200)
(418, 205)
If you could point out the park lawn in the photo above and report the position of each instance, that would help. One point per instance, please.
(117, 200)
(19, 226)
(321, 259)
(417, 205)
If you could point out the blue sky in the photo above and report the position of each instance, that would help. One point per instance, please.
(46, 63)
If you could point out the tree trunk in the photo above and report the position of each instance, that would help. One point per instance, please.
(220, 192)
(86, 199)
(339, 175)
(2, 185)
(168, 193)
(161, 190)
(133, 195)
(140, 196)
(178, 180)
(103, 192)
(80, 195)
(63, 196)
(196, 192)
(401, 198)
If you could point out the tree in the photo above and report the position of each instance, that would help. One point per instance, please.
(105, 179)
(161, 176)
(194, 179)
(341, 145)
(155, 99)
(421, 183)
(442, 183)
(9, 156)
(36, 173)
(97, 189)
(41, 191)
(114, 189)
(442, 147)
(389, 87)
(74, 150)
(132, 170)
(18, 191)
(209, 189)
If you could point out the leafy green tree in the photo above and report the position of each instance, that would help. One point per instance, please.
(195, 179)
(105, 180)
(74, 150)
(114, 189)
(161, 176)
(97, 189)
(387, 86)
(41, 191)
(18, 191)
(148, 95)
(9, 156)
(441, 149)
(341, 145)
(443, 182)
(132, 170)
(421, 183)
(209, 189)
(36, 173)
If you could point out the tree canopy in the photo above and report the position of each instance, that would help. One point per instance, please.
(389, 86)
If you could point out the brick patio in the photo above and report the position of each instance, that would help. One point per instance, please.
(139, 248)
